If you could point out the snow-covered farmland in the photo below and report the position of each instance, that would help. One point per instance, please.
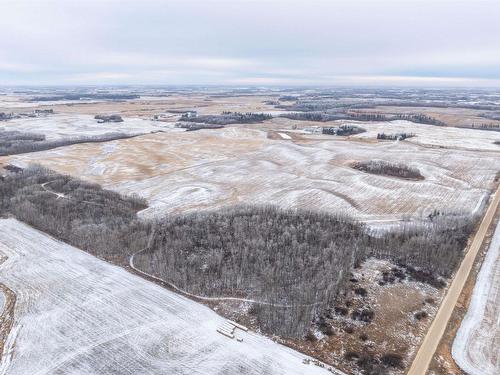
(10, 102)
(477, 343)
(430, 135)
(425, 135)
(60, 126)
(76, 314)
(178, 172)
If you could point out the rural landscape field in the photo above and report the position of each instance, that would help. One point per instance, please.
(249, 187)
(413, 191)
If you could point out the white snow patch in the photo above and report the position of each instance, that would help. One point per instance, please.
(96, 318)
(59, 126)
(476, 347)
(285, 136)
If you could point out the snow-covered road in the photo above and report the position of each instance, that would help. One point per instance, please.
(76, 314)
(476, 348)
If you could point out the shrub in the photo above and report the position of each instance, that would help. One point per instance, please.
(349, 329)
(351, 355)
(340, 310)
(327, 330)
(392, 360)
(364, 315)
(367, 362)
(310, 336)
(421, 315)
(361, 292)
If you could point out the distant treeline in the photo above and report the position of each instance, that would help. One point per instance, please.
(395, 136)
(360, 116)
(15, 142)
(192, 126)
(493, 115)
(492, 127)
(108, 118)
(322, 105)
(418, 118)
(332, 116)
(82, 96)
(227, 118)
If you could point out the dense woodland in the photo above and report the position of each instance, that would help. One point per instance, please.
(99, 221)
(297, 262)
(296, 258)
(388, 169)
(431, 250)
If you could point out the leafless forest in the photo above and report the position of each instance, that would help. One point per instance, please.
(295, 262)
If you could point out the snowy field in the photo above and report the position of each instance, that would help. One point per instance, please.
(206, 169)
(426, 135)
(431, 135)
(12, 102)
(476, 348)
(58, 126)
(76, 314)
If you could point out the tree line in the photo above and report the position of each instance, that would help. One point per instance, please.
(227, 118)
(395, 136)
(348, 114)
(15, 142)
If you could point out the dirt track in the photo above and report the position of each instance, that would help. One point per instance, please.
(433, 337)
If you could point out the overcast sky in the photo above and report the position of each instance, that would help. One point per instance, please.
(251, 42)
